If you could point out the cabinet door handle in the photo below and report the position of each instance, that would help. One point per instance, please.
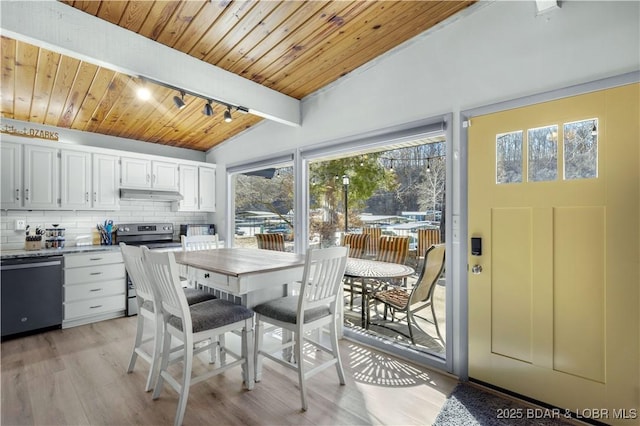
(17, 195)
(94, 307)
(95, 196)
(86, 196)
(153, 178)
(95, 258)
(95, 273)
(26, 194)
(206, 275)
(96, 289)
(148, 177)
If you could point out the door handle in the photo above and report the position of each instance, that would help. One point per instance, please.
(476, 269)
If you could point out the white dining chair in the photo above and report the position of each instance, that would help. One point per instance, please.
(192, 326)
(192, 243)
(146, 298)
(316, 306)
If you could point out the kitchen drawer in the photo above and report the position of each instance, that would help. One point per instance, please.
(93, 307)
(94, 290)
(213, 280)
(99, 258)
(94, 273)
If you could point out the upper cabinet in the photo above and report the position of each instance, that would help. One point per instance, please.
(11, 179)
(207, 180)
(39, 175)
(89, 181)
(141, 173)
(30, 176)
(197, 186)
(106, 182)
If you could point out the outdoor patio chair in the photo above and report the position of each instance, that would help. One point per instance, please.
(374, 236)
(358, 244)
(420, 297)
(393, 249)
(426, 239)
(270, 241)
(315, 307)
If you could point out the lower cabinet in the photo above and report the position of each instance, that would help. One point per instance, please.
(94, 287)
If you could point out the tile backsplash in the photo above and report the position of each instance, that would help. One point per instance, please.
(83, 223)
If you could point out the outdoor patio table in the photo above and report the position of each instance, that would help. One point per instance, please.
(365, 269)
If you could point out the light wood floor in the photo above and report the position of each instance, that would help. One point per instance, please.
(77, 377)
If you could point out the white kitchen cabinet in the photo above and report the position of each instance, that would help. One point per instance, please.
(207, 181)
(30, 176)
(89, 181)
(94, 287)
(75, 180)
(106, 182)
(136, 172)
(164, 176)
(11, 175)
(141, 173)
(189, 188)
(197, 186)
(41, 185)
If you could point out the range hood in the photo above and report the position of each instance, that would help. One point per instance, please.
(149, 194)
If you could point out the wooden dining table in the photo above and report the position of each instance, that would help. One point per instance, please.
(245, 276)
(367, 270)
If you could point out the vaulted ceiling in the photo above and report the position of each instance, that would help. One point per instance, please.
(293, 48)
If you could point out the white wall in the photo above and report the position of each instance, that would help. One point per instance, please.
(496, 51)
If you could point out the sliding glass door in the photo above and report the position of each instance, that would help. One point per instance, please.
(387, 191)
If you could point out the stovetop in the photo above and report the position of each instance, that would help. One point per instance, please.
(152, 235)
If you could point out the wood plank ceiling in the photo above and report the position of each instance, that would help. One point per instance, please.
(293, 47)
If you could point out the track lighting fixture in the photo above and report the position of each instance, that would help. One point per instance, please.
(428, 165)
(594, 130)
(208, 109)
(391, 165)
(145, 94)
(179, 101)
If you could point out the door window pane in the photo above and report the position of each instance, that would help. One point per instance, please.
(543, 153)
(509, 157)
(581, 149)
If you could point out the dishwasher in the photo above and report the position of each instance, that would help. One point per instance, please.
(31, 295)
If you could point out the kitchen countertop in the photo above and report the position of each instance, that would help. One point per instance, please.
(16, 254)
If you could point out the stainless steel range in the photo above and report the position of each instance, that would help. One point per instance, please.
(156, 236)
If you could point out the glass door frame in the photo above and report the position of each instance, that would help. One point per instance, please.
(390, 138)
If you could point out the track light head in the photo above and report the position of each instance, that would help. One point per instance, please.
(208, 109)
(179, 101)
(227, 115)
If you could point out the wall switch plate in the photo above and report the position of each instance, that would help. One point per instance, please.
(21, 224)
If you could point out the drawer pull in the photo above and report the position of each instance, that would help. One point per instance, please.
(96, 289)
(95, 258)
(96, 306)
(206, 275)
(95, 273)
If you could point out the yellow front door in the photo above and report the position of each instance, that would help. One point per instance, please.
(554, 194)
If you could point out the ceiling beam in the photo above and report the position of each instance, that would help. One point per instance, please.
(66, 30)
